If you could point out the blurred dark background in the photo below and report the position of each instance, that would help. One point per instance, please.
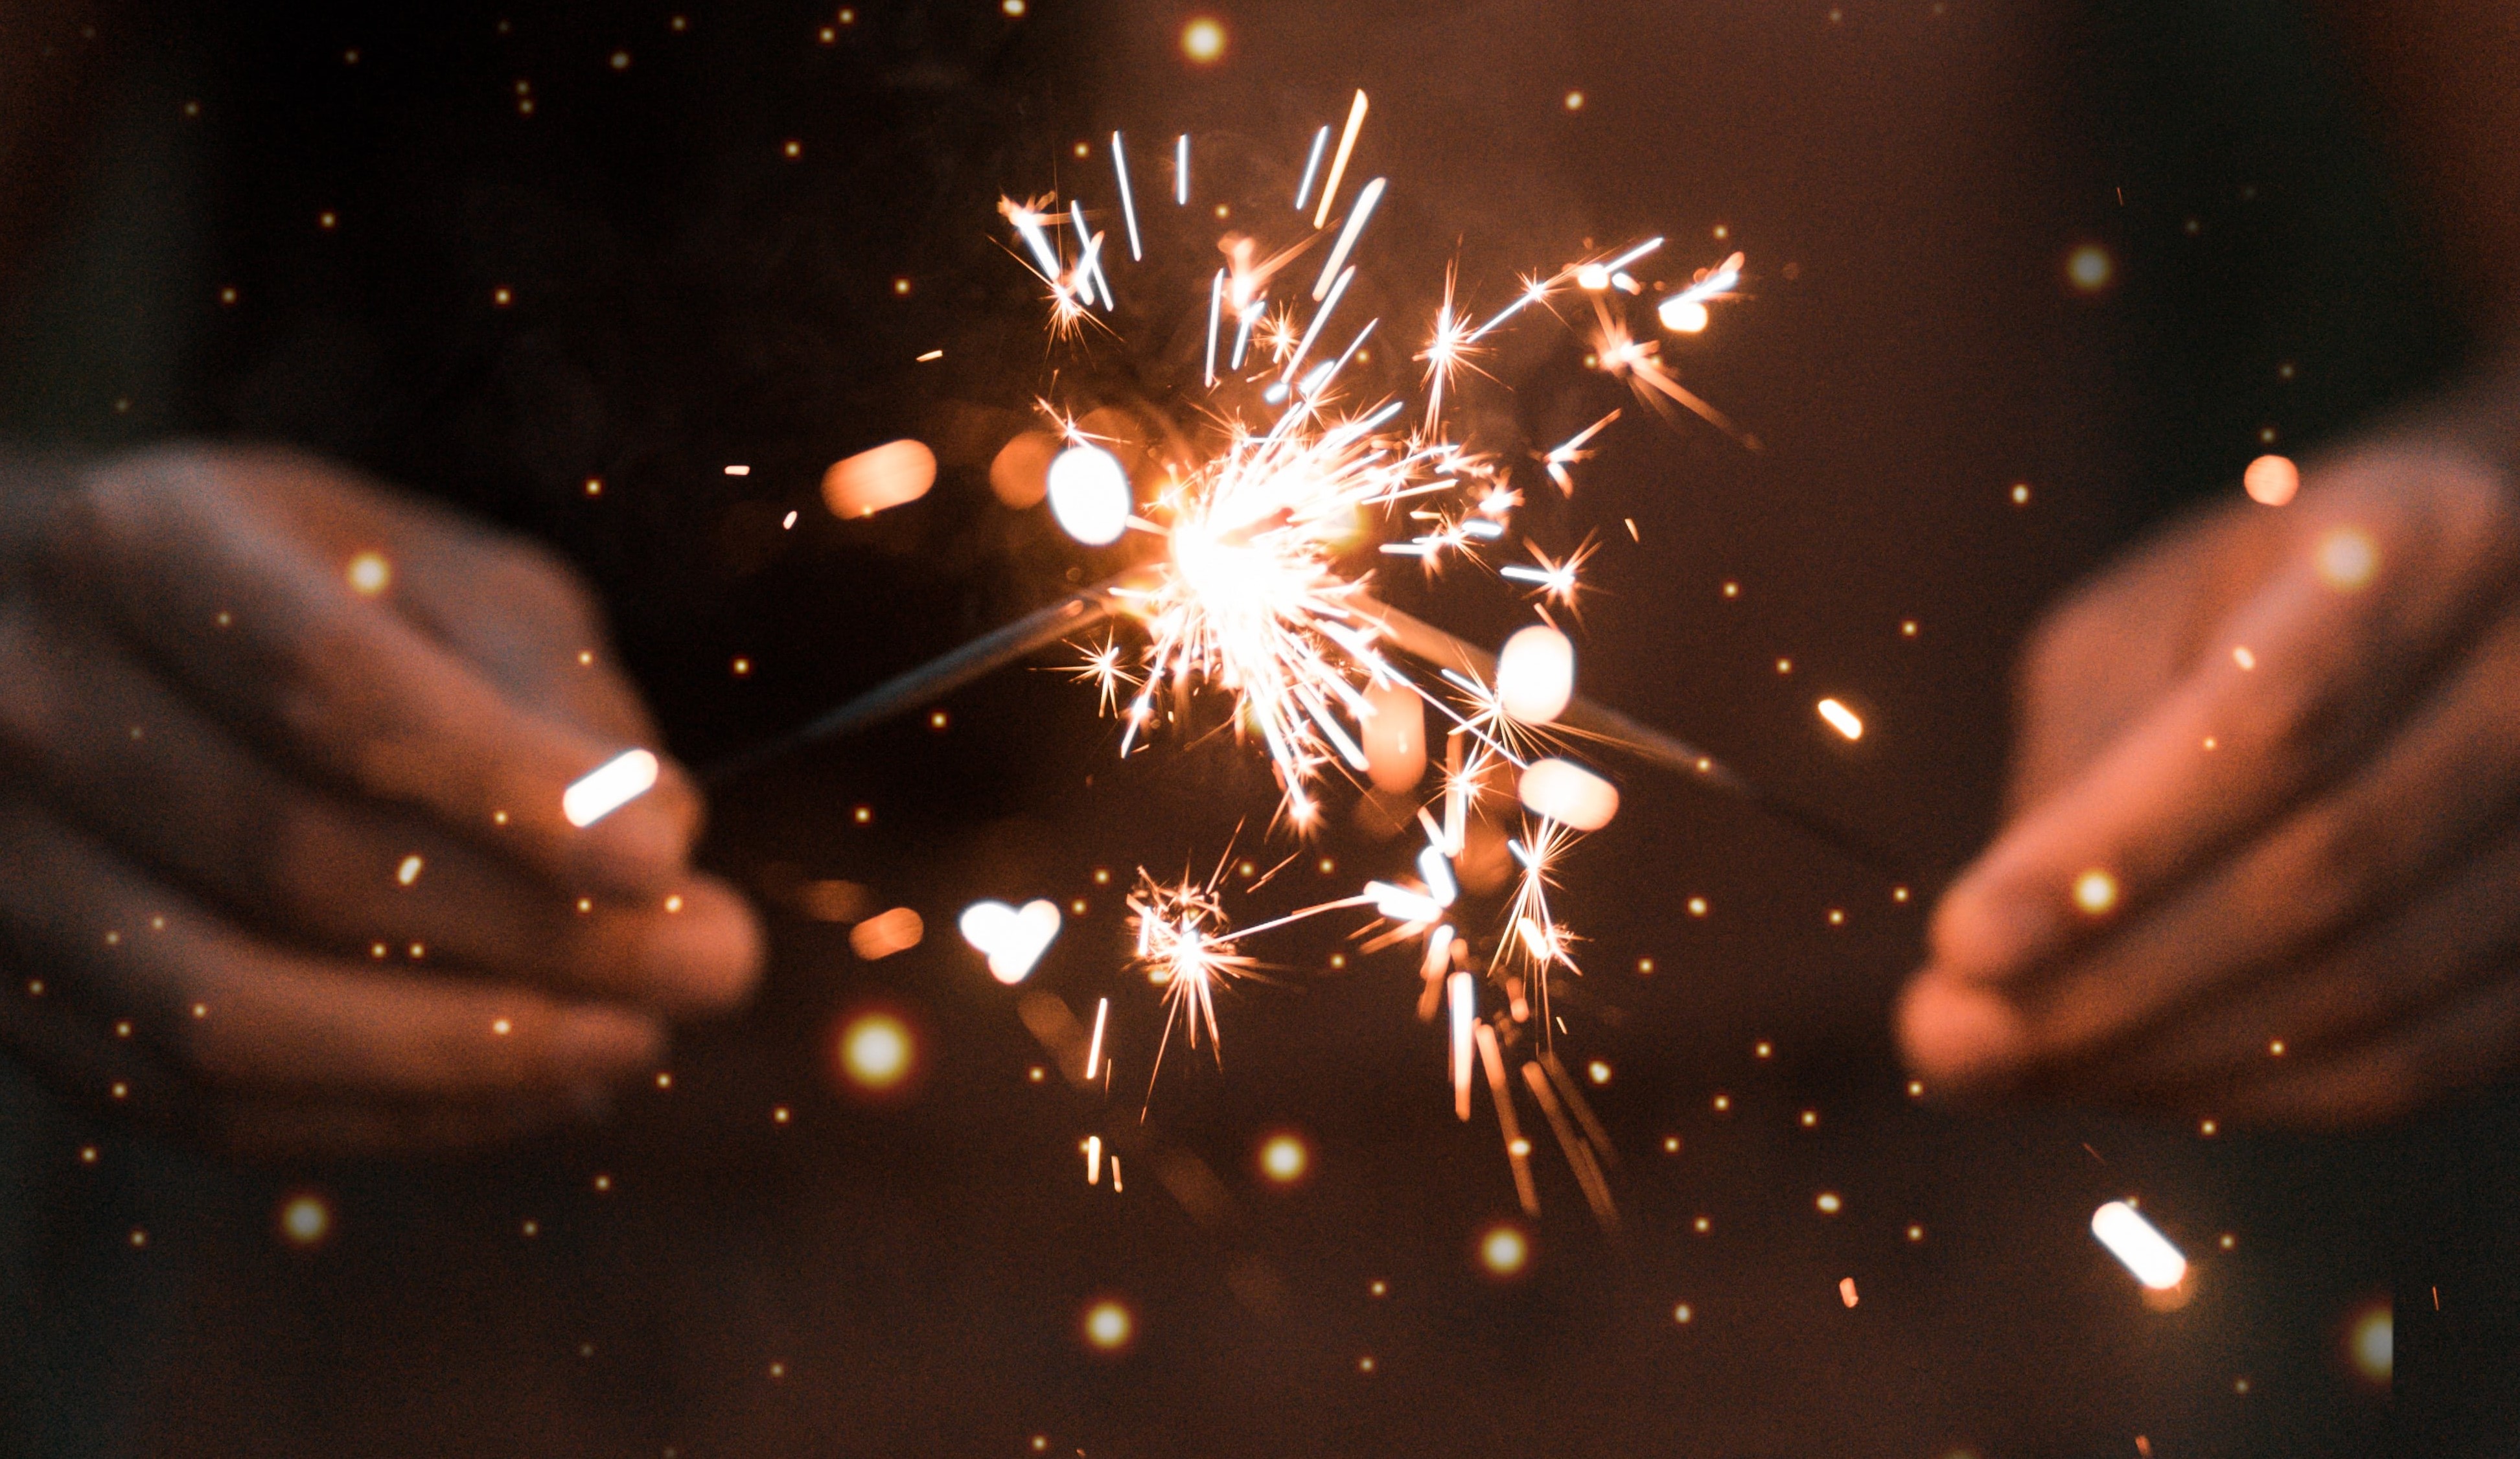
(294, 221)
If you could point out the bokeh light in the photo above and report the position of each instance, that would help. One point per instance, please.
(1089, 495)
(2347, 559)
(1504, 1250)
(304, 1219)
(2272, 481)
(1203, 40)
(1285, 1157)
(2089, 268)
(888, 932)
(2370, 1343)
(875, 1053)
(2095, 891)
(369, 574)
(1109, 1325)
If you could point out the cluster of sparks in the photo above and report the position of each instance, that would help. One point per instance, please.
(1254, 594)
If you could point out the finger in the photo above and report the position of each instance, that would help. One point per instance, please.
(238, 1014)
(2374, 583)
(2450, 772)
(124, 756)
(2430, 951)
(2458, 1046)
(2107, 656)
(266, 1131)
(86, 1059)
(209, 579)
(523, 620)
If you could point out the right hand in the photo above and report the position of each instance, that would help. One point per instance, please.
(281, 860)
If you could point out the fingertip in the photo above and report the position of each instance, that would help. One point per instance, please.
(644, 845)
(1989, 926)
(704, 956)
(1958, 1037)
(595, 1042)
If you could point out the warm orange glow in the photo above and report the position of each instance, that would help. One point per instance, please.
(1109, 1325)
(2272, 481)
(878, 477)
(1504, 1250)
(1203, 40)
(305, 1219)
(1285, 1157)
(876, 1052)
(887, 932)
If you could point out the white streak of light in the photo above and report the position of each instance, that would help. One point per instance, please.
(1632, 255)
(1093, 1159)
(1215, 306)
(1181, 171)
(1313, 330)
(610, 786)
(2133, 1240)
(1338, 162)
(1439, 875)
(1462, 992)
(1365, 202)
(1029, 226)
(1401, 905)
(1088, 261)
(1128, 197)
(1312, 168)
(1094, 1050)
(1841, 719)
(1321, 377)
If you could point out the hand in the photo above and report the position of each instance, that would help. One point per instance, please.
(281, 855)
(2263, 863)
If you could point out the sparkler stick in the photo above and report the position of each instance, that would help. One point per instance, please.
(1086, 609)
(914, 688)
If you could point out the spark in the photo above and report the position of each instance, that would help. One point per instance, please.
(1189, 950)
(1555, 579)
(1338, 162)
(1128, 197)
(1250, 593)
(1366, 200)
(1619, 353)
(1572, 451)
(1448, 352)
(1312, 168)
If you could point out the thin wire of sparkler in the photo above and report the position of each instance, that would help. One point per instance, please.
(1086, 609)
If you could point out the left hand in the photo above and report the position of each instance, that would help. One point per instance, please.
(2263, 863)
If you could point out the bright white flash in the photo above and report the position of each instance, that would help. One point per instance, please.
(2133, 1240)
(610, 786)
(1089, 494)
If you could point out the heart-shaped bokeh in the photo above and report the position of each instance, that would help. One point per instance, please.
(1012, 940)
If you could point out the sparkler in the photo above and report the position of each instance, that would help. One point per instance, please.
(1249, 592)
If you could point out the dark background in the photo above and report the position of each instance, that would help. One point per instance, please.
(1907, 179)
